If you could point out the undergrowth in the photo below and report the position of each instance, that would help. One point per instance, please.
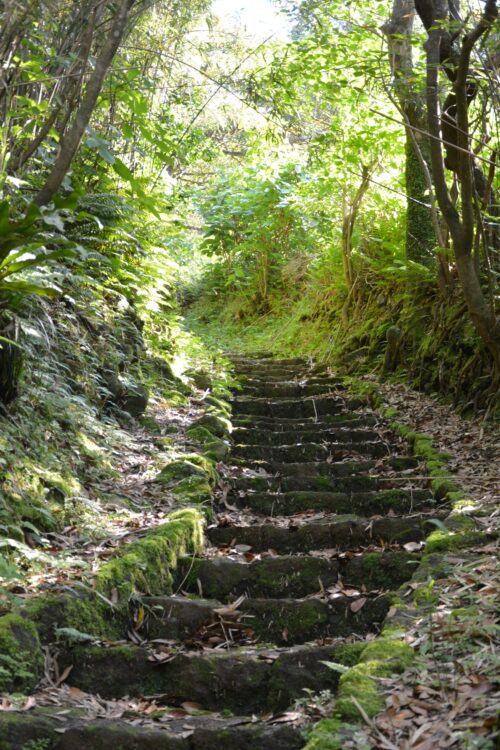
(438, 350)
(93, 380)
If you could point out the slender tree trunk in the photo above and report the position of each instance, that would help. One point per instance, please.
(460, 224)
(420, 234)
(73, 137)
(349, 221)
(420, 227)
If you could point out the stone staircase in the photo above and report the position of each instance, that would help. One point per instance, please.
(320, 514)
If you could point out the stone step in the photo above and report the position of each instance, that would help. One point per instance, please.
(250, 356)
(326, 469)
(279, 373)
(347, 532)
(292, 576)
(309, 451)
(367, 503)
(322, 378)
(242, 680)
(292, 390)
(280, 621)
(319, 483)
(309, 407)
(64, 729)
(323, 422)
(278, 365)
(269, 361)
(249, 436)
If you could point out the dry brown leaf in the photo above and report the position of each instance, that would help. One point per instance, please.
(357, 605)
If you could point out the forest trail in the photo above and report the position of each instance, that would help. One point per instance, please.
(321, 515)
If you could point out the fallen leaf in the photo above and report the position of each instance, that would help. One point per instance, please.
(357, 605)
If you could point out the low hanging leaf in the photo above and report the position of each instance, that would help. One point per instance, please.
(72, 635)
(341, 668)
(22, 287)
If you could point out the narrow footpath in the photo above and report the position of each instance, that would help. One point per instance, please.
(321, 514)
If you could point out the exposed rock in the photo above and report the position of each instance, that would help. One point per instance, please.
(218, 425)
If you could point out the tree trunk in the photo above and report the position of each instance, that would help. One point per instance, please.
(461, 224)
(350, 215)
(420, 226)
(72, 139)
(420, 234)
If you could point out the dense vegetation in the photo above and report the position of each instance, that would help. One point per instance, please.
(175, 187)
(287, 194)
(298, 184)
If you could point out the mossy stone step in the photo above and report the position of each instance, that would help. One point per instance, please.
(282, 369)
(318, 483)
(60, 729)
(367, 503)
(310, 407)
(343, 534)
(309, 451)
(279, 621)
(251, 356)
(249, 436)
(269, 577)
(293, 390)
(284, 424)
(256, 381)
(307, 468)
(292, 576)
(324, 468)
(279, 374)
(270, 362)
(240, 680)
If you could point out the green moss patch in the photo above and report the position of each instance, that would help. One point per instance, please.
(85, 612)
(217, 424)
(190, 465)
(216, 450)
(21, 657)
(326, 735)
(442, 541)
(381, 658)
(219, 406)
(200, 434)
(146, 565)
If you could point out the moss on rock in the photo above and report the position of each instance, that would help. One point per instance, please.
(217, 424)
(220, 407)
(86, 612)
(442, 541)
(381, 658)
(358, 683)
(216, 449)
(179, 469)
(189, 465)
(326, 735)
(200, 434)
(146, 565)
(21, 658)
